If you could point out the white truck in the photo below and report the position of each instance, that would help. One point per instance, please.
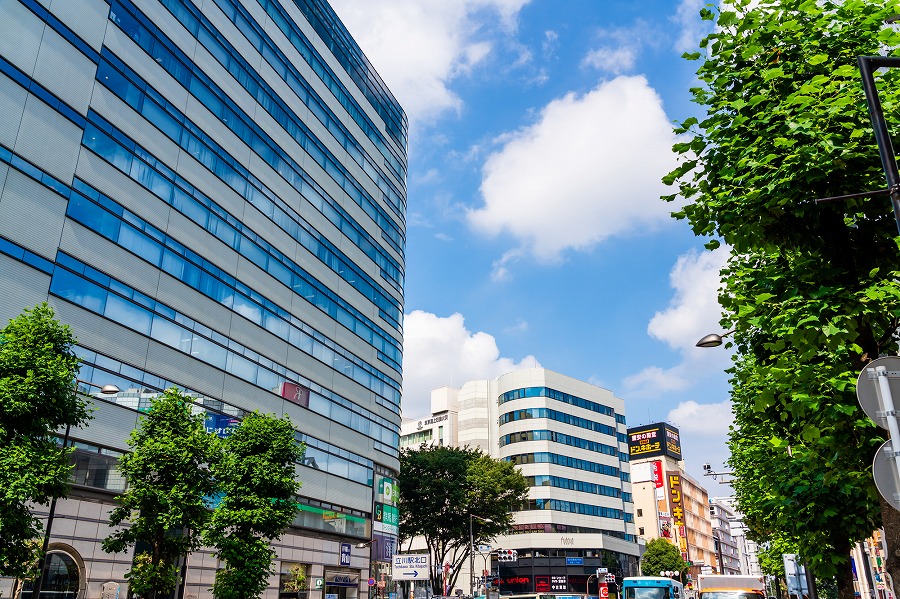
(722, 586)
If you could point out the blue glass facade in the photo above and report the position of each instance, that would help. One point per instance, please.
(213, 196)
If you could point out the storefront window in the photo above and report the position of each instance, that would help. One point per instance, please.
(294, 581)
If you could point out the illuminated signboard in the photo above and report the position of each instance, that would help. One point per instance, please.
(654, 440)
(541, 584)
(676, 505)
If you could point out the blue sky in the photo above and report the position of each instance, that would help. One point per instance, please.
(539, 132)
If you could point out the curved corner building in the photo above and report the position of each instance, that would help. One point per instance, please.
(212, 194)
(568, 438)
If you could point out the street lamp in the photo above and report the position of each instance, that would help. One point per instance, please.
(713, 339)
(472, 552)
(42, 562)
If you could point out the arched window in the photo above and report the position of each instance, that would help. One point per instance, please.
(61, 580)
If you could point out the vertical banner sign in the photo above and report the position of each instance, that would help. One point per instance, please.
(657, 474)
(676, 506)
(386, 518)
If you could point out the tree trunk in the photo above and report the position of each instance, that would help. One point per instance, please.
(890, 519)
(844, 577)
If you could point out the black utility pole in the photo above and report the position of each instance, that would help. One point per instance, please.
(867, 66)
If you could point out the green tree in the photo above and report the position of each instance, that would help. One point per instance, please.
(258, 478)
(440, 487)
(37, 398)
(660, 556)
(810, 289)
(169, 478)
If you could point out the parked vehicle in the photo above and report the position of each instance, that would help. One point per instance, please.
(722, 586)
(651, 587)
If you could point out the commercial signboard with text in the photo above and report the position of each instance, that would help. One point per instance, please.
(653, 440)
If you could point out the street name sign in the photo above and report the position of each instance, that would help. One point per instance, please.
(412, 566)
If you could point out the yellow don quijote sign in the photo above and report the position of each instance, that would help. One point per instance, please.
(654, 440)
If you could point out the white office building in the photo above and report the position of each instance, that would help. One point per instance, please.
(569, 440)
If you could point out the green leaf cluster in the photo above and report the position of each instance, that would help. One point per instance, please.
(440, 487)
(257, 475)
(810, 289)
(169, 475)
(660, 556)
(174, 471)
(37, 398)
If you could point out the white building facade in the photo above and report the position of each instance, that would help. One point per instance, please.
(568, 439)
(728, 554)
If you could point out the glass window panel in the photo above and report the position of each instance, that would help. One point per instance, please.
(276, 325)
(208, 351)
(159, 117)
(138, 243)
(166, 331)
(91, 215)
(241, 367)
(127, 313)
(78, 291)
(267, 379)
(320, 405)
(246, 308)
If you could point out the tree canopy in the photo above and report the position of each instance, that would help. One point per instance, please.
(165, 504)
(661, 556)
(810, 289)
(441, 487)
(256, 473)
(37, 398)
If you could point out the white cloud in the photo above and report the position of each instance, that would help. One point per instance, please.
(692, 313)
(550, 44)
(589, 168)
(691, 27)
(694, 310)
(705, 420)
(441, 351)
(614, 60)
(419, 46)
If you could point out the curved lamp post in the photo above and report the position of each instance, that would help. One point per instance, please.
(472, 552)
(714, 339)
(42, 562)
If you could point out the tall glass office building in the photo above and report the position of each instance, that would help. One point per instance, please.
(212, 194)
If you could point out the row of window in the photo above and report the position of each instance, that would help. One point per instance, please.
(388, 444)
(175, 62)
(568, 398)
(578, 508)
(86, 287)
(98, 468)
(547, 435)
(559, 482)
(154, 176)
(139, 384)
(544, 457)
(149, 243)
(129, 231)
(329, 27)
(521, 529)
(526, 414)
(219, 47)
(131, 89)
(302, 283)
(417, 438)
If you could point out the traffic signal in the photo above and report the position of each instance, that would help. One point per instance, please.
(507, 555)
